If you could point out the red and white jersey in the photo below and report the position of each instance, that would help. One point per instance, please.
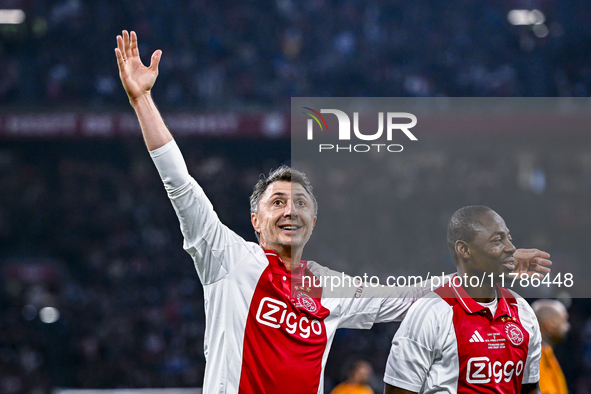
(262, 337)
(448, 343)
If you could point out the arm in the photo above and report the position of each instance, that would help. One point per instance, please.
(396, 390)
(360, 306)
(138, 81)
(416, 344)
(396, 300)
(214, 248)
(532, 262)
(531, 369)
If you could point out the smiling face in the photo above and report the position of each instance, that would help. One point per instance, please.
(285, 217)
(491, 250)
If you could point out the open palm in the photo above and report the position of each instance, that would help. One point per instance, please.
(137, 79)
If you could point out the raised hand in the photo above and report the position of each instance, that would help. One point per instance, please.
(532, 262)
(137, 79)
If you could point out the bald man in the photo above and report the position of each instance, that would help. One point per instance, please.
(553, 318)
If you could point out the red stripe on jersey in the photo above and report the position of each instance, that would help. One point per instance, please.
(492, 351)
(285, 336)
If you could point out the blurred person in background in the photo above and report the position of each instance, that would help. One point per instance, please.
(260, 335)
(357, 381)
(553, 318)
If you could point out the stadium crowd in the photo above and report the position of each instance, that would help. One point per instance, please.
(91, 223)
(261, 53)
(92, 220)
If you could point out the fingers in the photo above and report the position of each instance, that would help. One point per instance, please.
(543, 262)
(134, 48)
(120, 46)
(543, 268)
(536, 275)
(120, 60)
(120, 54)
(540, 269)
(120, 50)
(537, 271)
(534, 256)
(126, 45)
(155, 61)
(530, 253)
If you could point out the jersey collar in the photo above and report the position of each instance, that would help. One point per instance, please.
(277, 264)
(472, 306)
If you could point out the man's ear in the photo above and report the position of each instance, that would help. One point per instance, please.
(254, 219)
(462, 249)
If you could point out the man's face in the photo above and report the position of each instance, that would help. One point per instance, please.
(559, 325)
(362, 373)
(491, 249)
(285, 216)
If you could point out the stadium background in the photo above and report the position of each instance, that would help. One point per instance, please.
(86, 228)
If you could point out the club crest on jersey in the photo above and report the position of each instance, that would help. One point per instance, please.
(514, 334)
(306, 302)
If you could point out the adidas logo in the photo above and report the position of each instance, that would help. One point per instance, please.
(476, 337)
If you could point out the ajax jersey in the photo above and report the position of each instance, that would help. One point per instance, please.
(449, 343)
(261, 335)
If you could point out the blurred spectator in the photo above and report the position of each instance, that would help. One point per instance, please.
(62, 55)
(553, 319)
(358, 377)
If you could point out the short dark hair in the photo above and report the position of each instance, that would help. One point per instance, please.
(282, 173)
(463, 226)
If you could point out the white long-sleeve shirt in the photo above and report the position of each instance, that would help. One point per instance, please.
(264, 334)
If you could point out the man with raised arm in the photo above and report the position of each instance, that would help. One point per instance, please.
(262, 335)
(470, 335)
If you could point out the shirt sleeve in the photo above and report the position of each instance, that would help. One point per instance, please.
(531, 372)
(380, 304)
(415, 346)
(215, 249)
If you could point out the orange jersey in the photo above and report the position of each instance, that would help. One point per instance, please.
(352, 388)
(551, 377)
